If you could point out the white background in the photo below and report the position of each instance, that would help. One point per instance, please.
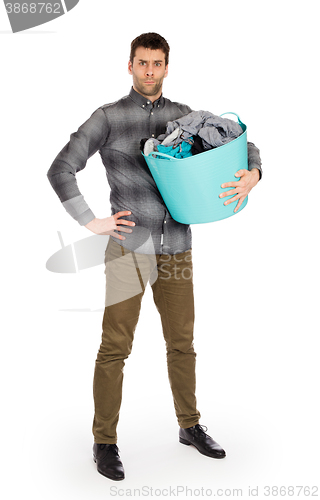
(256, 274)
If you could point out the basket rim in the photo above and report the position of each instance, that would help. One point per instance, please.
(204, 152)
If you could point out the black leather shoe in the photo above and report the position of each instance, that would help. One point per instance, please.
(205, 444)
(106, 456)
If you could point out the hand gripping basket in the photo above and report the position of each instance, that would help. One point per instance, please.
(190, 187)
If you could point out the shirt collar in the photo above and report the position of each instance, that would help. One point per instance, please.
(145, 103)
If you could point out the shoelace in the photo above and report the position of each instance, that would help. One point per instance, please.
(202, 429)
(113, 447)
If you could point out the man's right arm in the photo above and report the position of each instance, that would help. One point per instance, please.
(89, 138)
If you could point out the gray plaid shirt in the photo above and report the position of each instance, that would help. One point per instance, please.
(115, 130)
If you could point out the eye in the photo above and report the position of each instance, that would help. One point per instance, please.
(158, 64)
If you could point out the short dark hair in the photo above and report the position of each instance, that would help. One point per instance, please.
(151, 41)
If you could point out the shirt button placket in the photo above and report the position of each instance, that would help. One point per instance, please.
(164, 232)
(152, 123)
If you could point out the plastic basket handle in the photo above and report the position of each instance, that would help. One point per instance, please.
(242, 125)
(163, 154)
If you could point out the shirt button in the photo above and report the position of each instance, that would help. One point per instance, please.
(165, 221)
(148, 102)
(152, 112)
(152, 135)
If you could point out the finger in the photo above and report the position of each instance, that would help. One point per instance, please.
(116, 235)
(227, 184)
(123, 229)
(112, 233)
(121, 214)
(238, 204)
(231, 200)
(125, 222)
(227, 193)
(240, 173)
(230, 184)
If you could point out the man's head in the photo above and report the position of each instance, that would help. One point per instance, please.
(148, 64)
(151, 41)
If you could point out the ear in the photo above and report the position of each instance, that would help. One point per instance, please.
(130, 68)
(166, 71)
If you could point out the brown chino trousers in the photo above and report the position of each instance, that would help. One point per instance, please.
(127, 274)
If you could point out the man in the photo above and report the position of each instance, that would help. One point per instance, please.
(115, 130)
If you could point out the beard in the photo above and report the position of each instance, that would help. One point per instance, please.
(148, 90)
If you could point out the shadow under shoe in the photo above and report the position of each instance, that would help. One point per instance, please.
(107, 458)
(205, 444)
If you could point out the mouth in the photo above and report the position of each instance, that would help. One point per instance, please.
(149, 83)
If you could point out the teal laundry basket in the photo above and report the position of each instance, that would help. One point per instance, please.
(190, 187)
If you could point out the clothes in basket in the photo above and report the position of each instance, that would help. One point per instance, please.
(213, 130)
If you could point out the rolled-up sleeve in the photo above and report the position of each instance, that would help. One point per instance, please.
(88, 139)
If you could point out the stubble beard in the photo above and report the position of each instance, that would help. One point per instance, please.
(149, 90)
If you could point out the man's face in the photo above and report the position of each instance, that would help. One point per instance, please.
(148, 70)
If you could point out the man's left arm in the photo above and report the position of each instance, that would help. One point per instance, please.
(248, 178)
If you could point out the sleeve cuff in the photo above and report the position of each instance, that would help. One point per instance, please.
(252, 165)
(85, 218)
(79, 210)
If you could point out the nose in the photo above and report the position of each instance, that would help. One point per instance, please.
(149, 70)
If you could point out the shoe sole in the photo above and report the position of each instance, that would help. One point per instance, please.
(109, 477)
(184, 441)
